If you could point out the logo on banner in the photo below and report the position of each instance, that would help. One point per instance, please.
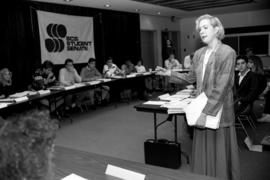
(58, 33)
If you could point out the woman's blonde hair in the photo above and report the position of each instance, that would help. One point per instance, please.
(26, 146)
(215, 22)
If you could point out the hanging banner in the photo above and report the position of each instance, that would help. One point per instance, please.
(65, 36)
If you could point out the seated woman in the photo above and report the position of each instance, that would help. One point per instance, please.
(6, 87)
(256, 66)
(27, 144)
(44, 77)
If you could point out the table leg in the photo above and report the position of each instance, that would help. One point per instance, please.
(155, 126)
(175, 128)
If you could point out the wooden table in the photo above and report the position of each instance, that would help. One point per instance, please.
(92, 166)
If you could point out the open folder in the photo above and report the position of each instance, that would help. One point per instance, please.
(195, 108)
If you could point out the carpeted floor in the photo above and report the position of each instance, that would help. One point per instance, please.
(120, 131)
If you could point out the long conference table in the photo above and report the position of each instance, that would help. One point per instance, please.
(93, 166)
(54, 92)
(58, 91)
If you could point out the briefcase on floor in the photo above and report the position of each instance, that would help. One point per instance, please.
(162, 153)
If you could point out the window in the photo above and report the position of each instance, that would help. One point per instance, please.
(258, 41)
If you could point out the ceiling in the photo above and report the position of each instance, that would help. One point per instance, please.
(177, 8)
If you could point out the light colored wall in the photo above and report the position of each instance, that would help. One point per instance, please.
(158, 24)
(241, 19)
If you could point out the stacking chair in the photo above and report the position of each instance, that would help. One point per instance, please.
(245, 116)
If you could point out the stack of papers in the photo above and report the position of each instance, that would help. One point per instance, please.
(175, 97)
(176, 107)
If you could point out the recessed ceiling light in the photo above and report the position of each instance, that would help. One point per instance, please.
(67, 0)
(137, 10)
(158, 13)
(107, 5)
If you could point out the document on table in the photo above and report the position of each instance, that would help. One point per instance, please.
(3, 105)
(146, 73)
(123, 173)
(21, 99)
(131, 75)
(7, 100)
(175, 97)
(155, 102)
(21, 94)
(175, 107)
(104, 80)
(195, 108)
(73, 177)
(70, 87)
(44, 92)
(93, 82)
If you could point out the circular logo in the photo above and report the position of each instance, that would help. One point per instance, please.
(56, 32)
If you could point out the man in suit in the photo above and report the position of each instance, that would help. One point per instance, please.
(245, 85)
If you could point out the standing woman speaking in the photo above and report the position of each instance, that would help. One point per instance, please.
(214, 152)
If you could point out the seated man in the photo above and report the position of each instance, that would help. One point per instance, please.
(44, 77)
(6, 87)
(172, 63)
(128, 68)
(67, 77)
(27, 145)
(68, 74)
(110, 69)
(245, 85)
(90, 73)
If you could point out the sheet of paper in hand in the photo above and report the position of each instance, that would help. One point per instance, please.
(195, 108)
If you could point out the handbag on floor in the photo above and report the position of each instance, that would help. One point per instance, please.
(162, 153)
